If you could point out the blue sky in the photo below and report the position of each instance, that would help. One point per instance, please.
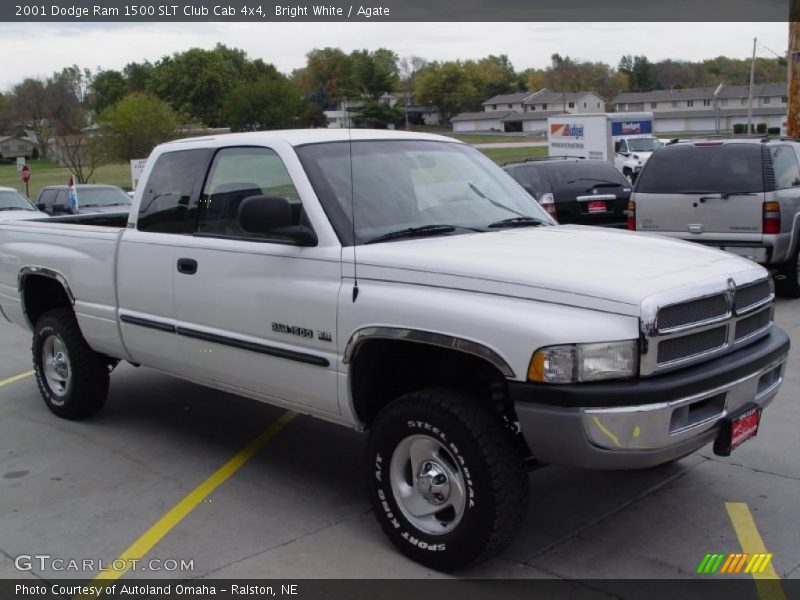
(98, 45)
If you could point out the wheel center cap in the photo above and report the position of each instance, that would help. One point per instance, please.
(432, 483)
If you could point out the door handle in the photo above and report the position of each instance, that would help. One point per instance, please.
(187, 266)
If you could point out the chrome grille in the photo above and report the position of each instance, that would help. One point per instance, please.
(754, 323)
(749, 296)
(686, 314)
(694, 344)
(679, 330)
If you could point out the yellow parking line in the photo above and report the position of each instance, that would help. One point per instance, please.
(24, 375)
(165, 524)
(767, 580)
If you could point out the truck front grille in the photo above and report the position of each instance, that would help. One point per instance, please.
(686, 331)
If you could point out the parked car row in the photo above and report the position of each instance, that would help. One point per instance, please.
(53, 200)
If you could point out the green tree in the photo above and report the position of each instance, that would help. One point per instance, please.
(263, 104)
(132, 127)
(328, 69)
(195, 82)
(374, 73)
(108, 87)
(639, 71)
(379, 115)
(446, 86)
(32, 107)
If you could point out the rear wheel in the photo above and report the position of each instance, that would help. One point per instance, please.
(446, 482)
(789, 283)
(72, 378)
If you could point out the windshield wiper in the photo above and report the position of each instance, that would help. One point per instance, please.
(410, 232)
(14, 208)
(517, 222)
(493, 202)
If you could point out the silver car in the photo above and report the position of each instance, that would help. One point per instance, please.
(742, 196)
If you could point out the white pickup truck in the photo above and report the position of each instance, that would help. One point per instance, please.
(404, 285)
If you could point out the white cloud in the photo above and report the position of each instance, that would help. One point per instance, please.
(110, 46)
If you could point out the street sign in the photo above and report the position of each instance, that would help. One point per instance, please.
(26, 173)
(137, 168)
(20, 163)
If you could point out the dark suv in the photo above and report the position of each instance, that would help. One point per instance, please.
(92, 198)
(576, 190)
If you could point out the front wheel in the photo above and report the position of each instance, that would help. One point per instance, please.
(446, 482)
(72, 378)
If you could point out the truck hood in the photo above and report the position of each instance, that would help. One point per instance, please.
(591, 267)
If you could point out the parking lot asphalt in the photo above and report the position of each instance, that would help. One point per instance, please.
(297, 508)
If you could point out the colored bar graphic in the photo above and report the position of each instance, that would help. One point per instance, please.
(731, 564)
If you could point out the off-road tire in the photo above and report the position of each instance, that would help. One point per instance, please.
(485, 454)
(84, 392)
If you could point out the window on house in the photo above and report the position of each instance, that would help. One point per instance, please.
(744, 101)
(767, 100)
(690, 103)
(784, 99)
(653, 104)
(509, 106)
(584, 105)
(706, 102)
(572, 105)
(544, 106)
(494, 106)
(598, 105)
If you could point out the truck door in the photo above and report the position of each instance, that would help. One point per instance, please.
(256, 313)
(146, 261)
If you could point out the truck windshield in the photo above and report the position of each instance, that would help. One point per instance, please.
(644, 145)
(690, 169)
(401, 185)
(10, 200)
(102, 196)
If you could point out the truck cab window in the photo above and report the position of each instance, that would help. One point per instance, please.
(239, 173)
(165, 200)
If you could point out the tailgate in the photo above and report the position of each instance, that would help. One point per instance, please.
(710, 189)
(699, 213)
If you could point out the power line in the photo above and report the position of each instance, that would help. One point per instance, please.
(768, 49)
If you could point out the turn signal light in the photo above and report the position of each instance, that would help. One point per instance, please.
(772, 217)
(631, 215)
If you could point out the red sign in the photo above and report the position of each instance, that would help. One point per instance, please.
(26, 173)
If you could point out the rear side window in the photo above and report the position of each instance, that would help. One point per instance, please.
(532, 177)
(784, 163)
(166, 197)
(690, 169)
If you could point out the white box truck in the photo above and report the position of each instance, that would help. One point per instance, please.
(624, 138)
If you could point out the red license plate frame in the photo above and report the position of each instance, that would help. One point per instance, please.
(737, 429)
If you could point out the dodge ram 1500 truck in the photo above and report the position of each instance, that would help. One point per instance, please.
(402, 284)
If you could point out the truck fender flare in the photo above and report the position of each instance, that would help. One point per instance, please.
(426, 337)
(24, 272)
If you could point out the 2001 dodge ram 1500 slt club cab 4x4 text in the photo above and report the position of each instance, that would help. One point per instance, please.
(402, 284)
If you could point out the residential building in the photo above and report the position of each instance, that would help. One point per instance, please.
(696, 109)
(527, 111)
(12, 146)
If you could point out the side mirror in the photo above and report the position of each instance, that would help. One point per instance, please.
(40, 206)
(273, 215)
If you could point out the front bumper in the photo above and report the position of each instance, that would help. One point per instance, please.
(607, 425)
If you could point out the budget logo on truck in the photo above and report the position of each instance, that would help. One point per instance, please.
(631, 127)
(565, 130)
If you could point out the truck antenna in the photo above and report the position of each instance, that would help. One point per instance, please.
(352, 195)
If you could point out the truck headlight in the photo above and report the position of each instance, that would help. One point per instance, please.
(575, 363)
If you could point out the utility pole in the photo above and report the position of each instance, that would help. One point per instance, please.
(750, 96)
(792, 122)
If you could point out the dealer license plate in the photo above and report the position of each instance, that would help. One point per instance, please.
(596, 207)
(736, 430)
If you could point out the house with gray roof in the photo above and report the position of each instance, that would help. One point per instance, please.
(526, 111)
(696, 109)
